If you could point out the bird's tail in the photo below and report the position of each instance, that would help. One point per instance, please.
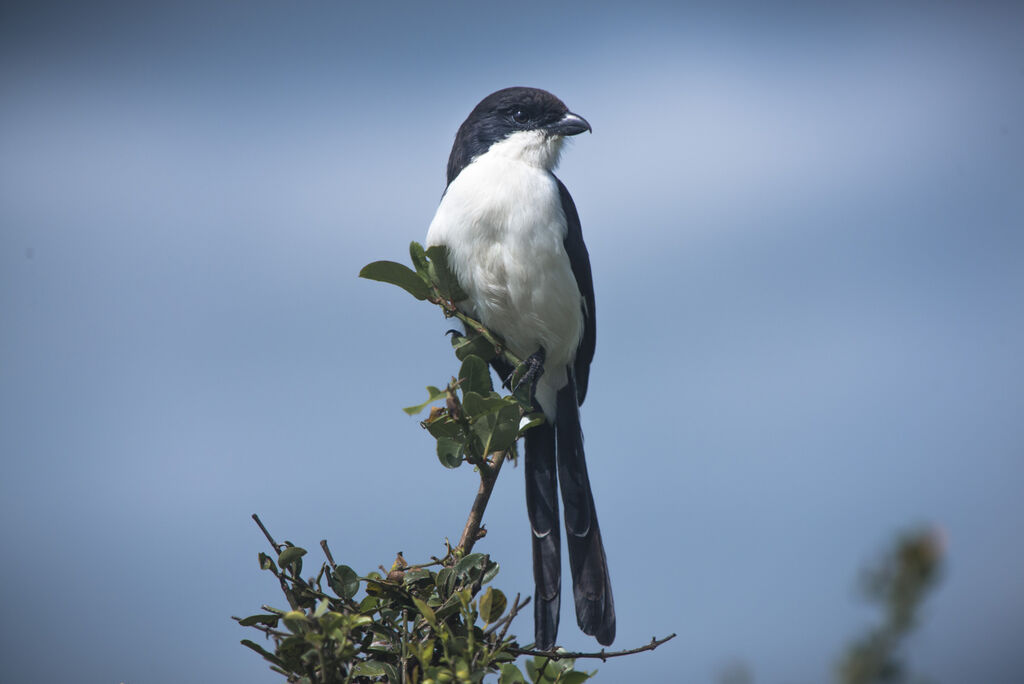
(592, 589)
(591, 585)
(542, 507)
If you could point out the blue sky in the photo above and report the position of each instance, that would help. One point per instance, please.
(806, 234)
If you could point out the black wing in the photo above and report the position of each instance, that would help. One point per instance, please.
(579, 259)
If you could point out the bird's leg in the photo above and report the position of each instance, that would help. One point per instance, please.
(533, 368)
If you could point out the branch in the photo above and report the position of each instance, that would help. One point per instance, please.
(280, 575)
(504, 622)
(488, 476)
(327, 552)
(277, 547)
(602, 654)
(476, 326)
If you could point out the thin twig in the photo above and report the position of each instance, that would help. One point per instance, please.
(327, 552)
(268, 631)
(277, 547)
(488, 477)
(602, 654)
(281, 577)
(506, 621)
(516, 607)
(493, 627)
(436, 561)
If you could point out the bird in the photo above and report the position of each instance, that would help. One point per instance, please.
(516, 247)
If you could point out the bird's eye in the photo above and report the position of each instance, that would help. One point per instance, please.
(520, 116)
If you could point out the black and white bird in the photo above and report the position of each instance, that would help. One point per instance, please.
(516, 246)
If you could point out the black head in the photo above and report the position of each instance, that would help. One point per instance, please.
(509, 111)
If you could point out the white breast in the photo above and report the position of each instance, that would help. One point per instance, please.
(503, 224)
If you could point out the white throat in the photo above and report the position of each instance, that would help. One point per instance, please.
(530, 147)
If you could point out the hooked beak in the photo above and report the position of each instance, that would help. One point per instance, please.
(570, 124)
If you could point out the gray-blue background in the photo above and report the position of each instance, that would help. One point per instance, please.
(806, 234)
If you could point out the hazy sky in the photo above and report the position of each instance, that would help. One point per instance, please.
(807, 236)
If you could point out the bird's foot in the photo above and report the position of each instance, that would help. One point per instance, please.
(532, 369)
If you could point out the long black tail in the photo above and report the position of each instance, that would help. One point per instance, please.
(542, 507)
(591, 585)
(592, 590)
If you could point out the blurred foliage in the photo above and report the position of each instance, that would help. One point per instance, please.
(899, 584)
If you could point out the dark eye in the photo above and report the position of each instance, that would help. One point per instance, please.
(520, 116)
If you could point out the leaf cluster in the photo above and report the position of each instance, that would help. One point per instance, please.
(431, 280)
(899, 583)
(474, 421)
(413, 624)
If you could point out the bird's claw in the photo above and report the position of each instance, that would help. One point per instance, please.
(534, 368)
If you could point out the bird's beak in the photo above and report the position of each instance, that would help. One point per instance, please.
(570, 124)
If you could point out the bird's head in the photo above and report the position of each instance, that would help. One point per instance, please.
(527, 124)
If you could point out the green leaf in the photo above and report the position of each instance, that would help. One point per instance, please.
(426, 611)
(472, 345)
(475, 404)
(445, 581)
(416, 575)
(543, 670)
(533, 669)
(390, 673)
(510, 674)
(506, 429)
(425, 653)
(449, 452)
(344, 581)
(296, 621)
(561, 665)
(433, 394)
(331, 624)
(483, 430)
(490, 572)
(474, 376)
(492, 605)
(290, 555)
(449, 607)
(444, 426)
(462, 670)
(263, 652)
(369, 668)
(447, 283)
(261, 619)
(468, 564)
(419, 259)
(498, 429)
(382, 590)
(266, 562)
(574, 677)
(397, 274)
